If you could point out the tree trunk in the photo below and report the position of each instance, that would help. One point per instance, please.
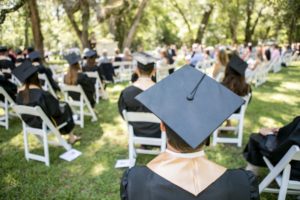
(36, 26)
(181, 12)
(26, 31)
(203, 24)
(249, 12)
(4, 12)
(133, 28)
(85, 24)
(292, 26)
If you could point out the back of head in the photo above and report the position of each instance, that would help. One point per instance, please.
(223, 57)
(72, 74)
(32, 80)
(235, 82)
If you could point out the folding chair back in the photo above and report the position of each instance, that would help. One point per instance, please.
(78, 106)
(133, 139)
(281, 174)
(41, 133)
(5, 105)
(98, 85)
(238, 130)
(124, 70)
(46, 84)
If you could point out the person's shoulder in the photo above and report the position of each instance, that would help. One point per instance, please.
(131, 90)
(135, 173)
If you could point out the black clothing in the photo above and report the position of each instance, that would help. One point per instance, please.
(88, 87)
(58, 112)
(93, 69)
(128, 102)
(9, 87)
(107, 71)
(275, 147)
(44, 70)
(268, 54)
(6, 64)
(140, 183)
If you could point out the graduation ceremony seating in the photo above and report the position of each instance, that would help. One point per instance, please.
(124, 70)
(100, 92)
(238, 129)
(162, 72)
(46, 84)
(81, 107)
(42, 134)
(137, 140)
(5, 105)
(281, 174)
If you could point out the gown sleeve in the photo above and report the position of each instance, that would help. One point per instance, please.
(254, 192)
(88, 87)
(121, 104)
(123, 186)
(52, 105)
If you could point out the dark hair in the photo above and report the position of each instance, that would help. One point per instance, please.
(235, 82)
(179, 144)
(32, 80)
(145, 70)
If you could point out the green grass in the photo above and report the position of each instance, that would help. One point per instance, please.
(93, 176)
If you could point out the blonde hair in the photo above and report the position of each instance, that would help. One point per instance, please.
(72, 74)
(223, 57)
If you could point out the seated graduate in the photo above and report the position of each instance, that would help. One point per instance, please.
(90, 65)
(191, 106)
(220, 65)
(74, 76)
(128, 102)
(36, 59)
(31, 94)
(6, 65)
(20, 57)
(106, 68)
(8, 86)
(273, 143)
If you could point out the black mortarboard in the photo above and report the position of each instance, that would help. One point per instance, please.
(237, 64)
(19, 52)
(24, 71)
(3, 48)
(90, 53)
(34, 55)
(72, 58)
(192, 104)
(144, 60)
(30, 49)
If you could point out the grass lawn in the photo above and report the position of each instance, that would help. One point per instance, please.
(92, 176)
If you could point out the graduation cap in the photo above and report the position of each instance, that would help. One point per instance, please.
(192, 104)
(72, 58)
(34, 55)
(237, 64)
(3, 48)
(24, 71)
(89, 54)
(144, 60)
(19, 51)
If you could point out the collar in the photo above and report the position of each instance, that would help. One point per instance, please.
(186, 155)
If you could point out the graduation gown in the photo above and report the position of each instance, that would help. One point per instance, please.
(9, 87)
(171, 178)
(6, 64)
(107, 71)
(58, 112)
(88, 87)
(127, 102)
(48, 73)
(93, 69)
(274, 147)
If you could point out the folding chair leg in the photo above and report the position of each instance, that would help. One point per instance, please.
(215, 136)
(284, 182)
(26, 147)
(240, 133)
(46, 149)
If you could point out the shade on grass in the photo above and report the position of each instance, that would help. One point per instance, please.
(92, 176)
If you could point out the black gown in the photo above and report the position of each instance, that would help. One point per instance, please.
(140, 183)
(6, 64)
(88, 86)
(9, 87)
(58, 112)
(275, 147)
(127, 102)
(44, 70)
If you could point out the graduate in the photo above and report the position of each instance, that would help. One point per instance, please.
(31, 94)
(36, 59)
(74, 76)
(273, 143)
(6, 65)
(20, 57)
(127, 99)
(191, 106)
(8, 86)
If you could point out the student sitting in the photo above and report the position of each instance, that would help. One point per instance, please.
(31, 94)
(75, 77)
(128, 102)
(220, 65)
(191, 106)
(8, 86)
(6, 65)
(273, 143)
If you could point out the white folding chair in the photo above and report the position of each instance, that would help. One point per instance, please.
(57, 72)
(204, 65)
(275, 65)
(78, 106)
(98, 85)
(5, 105)
(238, 130)
(133, 139)
(124, 72)
(281, 174)
(41, 133)
(46, 84)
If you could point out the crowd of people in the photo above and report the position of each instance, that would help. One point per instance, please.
(189, 103)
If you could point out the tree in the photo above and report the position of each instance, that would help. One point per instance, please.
(204, 22)
(12, 8)
(36, 26)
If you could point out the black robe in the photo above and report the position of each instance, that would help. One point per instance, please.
(275, 147)
(88, 86)
(140, 183)
(6, 64)
(9, 87)
(127, 102)
(93, 69)
(107, 71)
(44, 70)
(58, 112)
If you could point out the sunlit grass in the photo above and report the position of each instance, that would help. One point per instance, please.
(93, 176)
